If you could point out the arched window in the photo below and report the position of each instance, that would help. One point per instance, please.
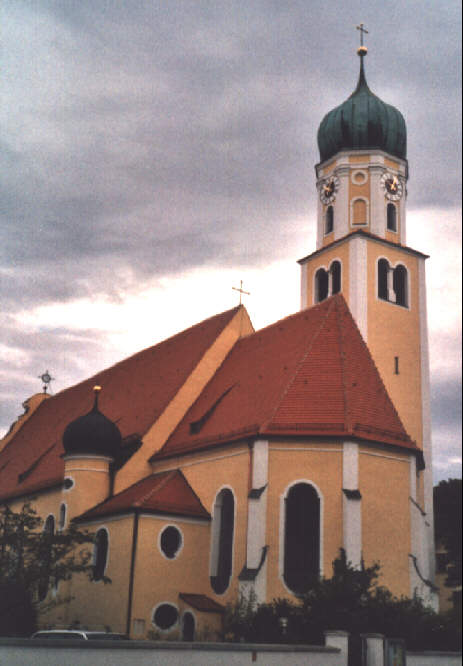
(188, 627)
(302, 537)
(45, 556)
(321, 285)
(329, 220)
(359, 212)
(100, 554)
(335, 269)
(383, 270)
(391, 217)
(222, 545)
(62, 517)
(399, 284)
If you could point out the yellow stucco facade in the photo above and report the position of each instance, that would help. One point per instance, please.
(394, 331)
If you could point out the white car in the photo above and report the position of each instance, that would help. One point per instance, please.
(79, 634)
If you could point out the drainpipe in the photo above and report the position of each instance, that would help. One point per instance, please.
(132, 571)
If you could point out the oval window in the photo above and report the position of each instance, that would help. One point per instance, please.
(171, 541)
(165, 616)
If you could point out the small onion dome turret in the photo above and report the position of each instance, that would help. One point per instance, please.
(92, 434)
(362, 122)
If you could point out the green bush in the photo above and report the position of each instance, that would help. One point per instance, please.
(351, 600)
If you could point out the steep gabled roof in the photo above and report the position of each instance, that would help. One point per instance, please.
(135, 392)
(310, 374)
(165, 493)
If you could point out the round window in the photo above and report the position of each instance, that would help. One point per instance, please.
(165, 616)
(171, 540)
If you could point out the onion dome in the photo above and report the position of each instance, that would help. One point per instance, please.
(362, 122)
(92, 434)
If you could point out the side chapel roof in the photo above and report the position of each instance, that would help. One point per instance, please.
(134, 393)
(165, 493)
(310, 374)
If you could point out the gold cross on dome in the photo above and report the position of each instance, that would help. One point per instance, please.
(241, 290)
(362, 31)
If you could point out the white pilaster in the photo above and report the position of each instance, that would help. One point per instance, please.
(417, 526)
(352, 504)
(341, 204)
(426, 416)
(257, 523)
(304, 272)
(358, 283)
(377, 203)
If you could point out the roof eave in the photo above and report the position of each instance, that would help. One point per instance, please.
(365, 234)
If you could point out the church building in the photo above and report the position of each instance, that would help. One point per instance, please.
(226, 461)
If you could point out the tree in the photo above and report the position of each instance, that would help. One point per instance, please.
(31, 561)
(447, 525)
(350, 600)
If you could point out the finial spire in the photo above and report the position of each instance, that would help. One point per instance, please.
(96, 391)
(46, 379)
(362, 50)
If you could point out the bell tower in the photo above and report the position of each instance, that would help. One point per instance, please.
(361, 252)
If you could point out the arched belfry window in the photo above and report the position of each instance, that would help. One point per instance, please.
(393, 283)
(335, 270)
(327, 283)
(391, 217)
(45, 556)
(321, 285)
(223, 523)
(100, 554)
(383, 270)
(301, 537)
(329, 220)
(399, 284)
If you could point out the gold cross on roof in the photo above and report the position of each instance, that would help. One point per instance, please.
(241, 290)
(362, 31)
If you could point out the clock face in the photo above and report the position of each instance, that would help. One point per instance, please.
(392, 186)
(328, 189)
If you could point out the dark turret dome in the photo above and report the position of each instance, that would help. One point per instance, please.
(362, 122)
(93, 434)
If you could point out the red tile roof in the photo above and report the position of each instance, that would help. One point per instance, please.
(202, 603)
(135, 392)
(165, 493)
(310, 374)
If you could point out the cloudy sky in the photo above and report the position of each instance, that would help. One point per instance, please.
(154, 153)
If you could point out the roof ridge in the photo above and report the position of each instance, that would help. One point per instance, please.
(142, 351)
(342, 355)
(290, 383)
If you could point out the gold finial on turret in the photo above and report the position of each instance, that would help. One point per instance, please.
(96, 391)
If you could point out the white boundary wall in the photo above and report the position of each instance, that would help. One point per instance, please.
(433, 659)
(39, 652)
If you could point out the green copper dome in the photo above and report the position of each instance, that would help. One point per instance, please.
(362, 122)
